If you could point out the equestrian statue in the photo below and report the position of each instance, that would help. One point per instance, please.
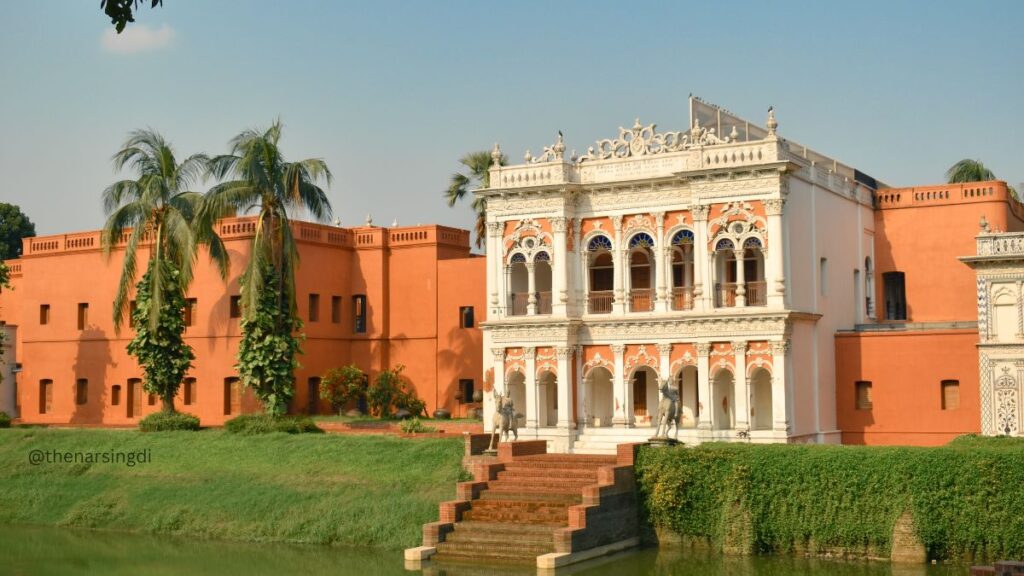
(504, 419)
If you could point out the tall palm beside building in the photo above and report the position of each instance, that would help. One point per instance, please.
(256, 176)
(155, 210)
(968, 170)
(477, 175)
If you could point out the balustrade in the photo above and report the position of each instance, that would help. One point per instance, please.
(600, 302)
(682, 298)
(641, 300)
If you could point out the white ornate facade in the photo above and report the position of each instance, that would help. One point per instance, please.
(999, 266)
(706, 256)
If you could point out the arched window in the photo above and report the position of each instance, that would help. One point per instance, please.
(682, 237)
(725, 244)
(753, 272)
(601, 274)
(519, 288)
(542, 257)
(682, 270)
(641, 277)
(518, 258)
(542, 282)
(641, 240)
(725, 273)
(598, 243)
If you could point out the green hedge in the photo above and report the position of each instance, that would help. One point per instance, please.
(266, 424)
(967, 498)
(168, 421)
(5, 419)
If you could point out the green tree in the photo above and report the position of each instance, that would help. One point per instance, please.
(340, 386)
(476, 175)
(120, 11)
(157, 210)
(968, 170)
(14, 225)
(259, 178)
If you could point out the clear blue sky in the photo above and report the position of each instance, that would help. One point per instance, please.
(391, 94)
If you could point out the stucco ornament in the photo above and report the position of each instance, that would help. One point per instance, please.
(643, 140)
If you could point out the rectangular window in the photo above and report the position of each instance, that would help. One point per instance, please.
(232, 396)
(950, 394)
(823, 276)
(134, 397)
(45, 396)
(863, 395)
(151, 399)
(81, 391)
(466, 317)
(895, 296)
(115, 395)
(83, 315)
(336, 309)
(236, 307)
(44, 314)
(314, 307)
(191, 311)
(313, 395)
(188, 393)
(359, 314)
(466, 389)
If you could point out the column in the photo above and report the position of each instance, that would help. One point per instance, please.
(560, 269)
(701, 259)
(619, 419)
(660, 249)
(531, 301)
(741, 385)
(741, 278)
(506, 291)
(494, 266)
(565, 384)
(498, 361)
(580, 386)
(703, 385)
(774, 271)
(780, 419)
(665, 365)
(620, 263)
(579, 282)
(531, 387)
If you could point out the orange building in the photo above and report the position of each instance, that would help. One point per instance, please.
(375, 297)
(911, 374)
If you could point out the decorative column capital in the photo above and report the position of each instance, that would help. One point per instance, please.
(530, 266)
(700, 212)
(779, 347)
(529, 352)
(659, 219)
(498, 354)
(773, 206)
(703, 349)
(494, 228)
(558, 224)
(618, 349)
(562, 352)
(739, 346)
(617, 222)
(664, 349)
(577, 226)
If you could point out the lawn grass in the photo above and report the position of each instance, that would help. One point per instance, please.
(364, 418)
(308, 488)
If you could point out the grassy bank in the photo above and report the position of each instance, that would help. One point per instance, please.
(325, 489)
(967, 499)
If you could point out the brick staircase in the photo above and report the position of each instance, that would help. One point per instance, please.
(532, 508)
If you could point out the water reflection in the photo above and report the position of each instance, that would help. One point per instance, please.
(38, 551)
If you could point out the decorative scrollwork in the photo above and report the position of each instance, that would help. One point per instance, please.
(643, 140)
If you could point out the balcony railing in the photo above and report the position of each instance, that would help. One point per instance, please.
(641, 300)
(682, 298)
(725, 295)
(543, 302)
(518, 303)
(757, 293)
(600, 302)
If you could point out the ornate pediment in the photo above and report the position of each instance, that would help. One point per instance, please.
(643, 140)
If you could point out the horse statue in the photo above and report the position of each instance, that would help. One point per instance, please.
(504, 419)
(668, 411)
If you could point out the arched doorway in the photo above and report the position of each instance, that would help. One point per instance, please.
(753, 273)
(723, 401)
(601, 275)
(547, 394)
(682, 270)
(516, 386)
(645, 396)
(519, 285)
(599, 398)
(689, 401)
(761, 388)
(725, 274)
(542, 282)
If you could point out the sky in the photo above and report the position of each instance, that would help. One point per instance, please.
(392, 94)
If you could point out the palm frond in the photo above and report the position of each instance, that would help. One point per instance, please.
(968, 170)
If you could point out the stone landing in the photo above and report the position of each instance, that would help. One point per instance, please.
(532, 508)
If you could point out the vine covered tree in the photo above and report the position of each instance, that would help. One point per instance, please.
(259, 178)
(14, 225)
(476, 175)
(156, 211)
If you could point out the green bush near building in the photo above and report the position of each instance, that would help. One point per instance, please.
(5, 419)
(966, 499)
(168, 421)
(267, 424)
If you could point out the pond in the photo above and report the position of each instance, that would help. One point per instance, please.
(44, 551)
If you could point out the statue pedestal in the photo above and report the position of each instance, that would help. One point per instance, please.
(661, 442)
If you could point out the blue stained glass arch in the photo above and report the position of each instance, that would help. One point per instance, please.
(752, 243)
(542, 257)
(641, 240)
(682, 237)
(724, 244)
(518, 258)
(599, 243)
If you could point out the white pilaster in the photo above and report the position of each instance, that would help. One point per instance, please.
(741, 385)
(581, 388)
(741, 278)
(532, 408)
(780, 419)
(621, 268)
(494, 272)
(506, 291)
(531, 300)
(703, 385)
(660, 270)
(565, 384)
(665, 362)
(775, 282)
(619, 419)
(703, 281)
(498, 357)
(580, 277)
(560, 270)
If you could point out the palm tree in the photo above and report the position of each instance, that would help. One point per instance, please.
(157, 208)
(264, 181)
(968, 170)
(478, 176)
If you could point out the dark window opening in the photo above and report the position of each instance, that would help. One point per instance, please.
(115, 395)
(466, 319)
(359, 314)
(895, 296)
(83, 315)
(863, 400)
(236, 307)
(44, 314)
(336, 309)
(466, 390)
(45, 396)
(188, 393)
(950, 394)
(81, 391)
(190, 311)
(314, 307)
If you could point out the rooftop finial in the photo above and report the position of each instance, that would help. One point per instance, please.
(369, 220)
(496, 155)
(771, 124)
(559, 147)
(395, 223)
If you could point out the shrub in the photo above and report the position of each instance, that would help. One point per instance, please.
(966, 499)
(413, 426)
(266, 424)
(342, 386)
(389, 392)
(5, 419)
(168, 421)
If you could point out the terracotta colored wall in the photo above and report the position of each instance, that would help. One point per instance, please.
(906, 369)
(922, 231)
